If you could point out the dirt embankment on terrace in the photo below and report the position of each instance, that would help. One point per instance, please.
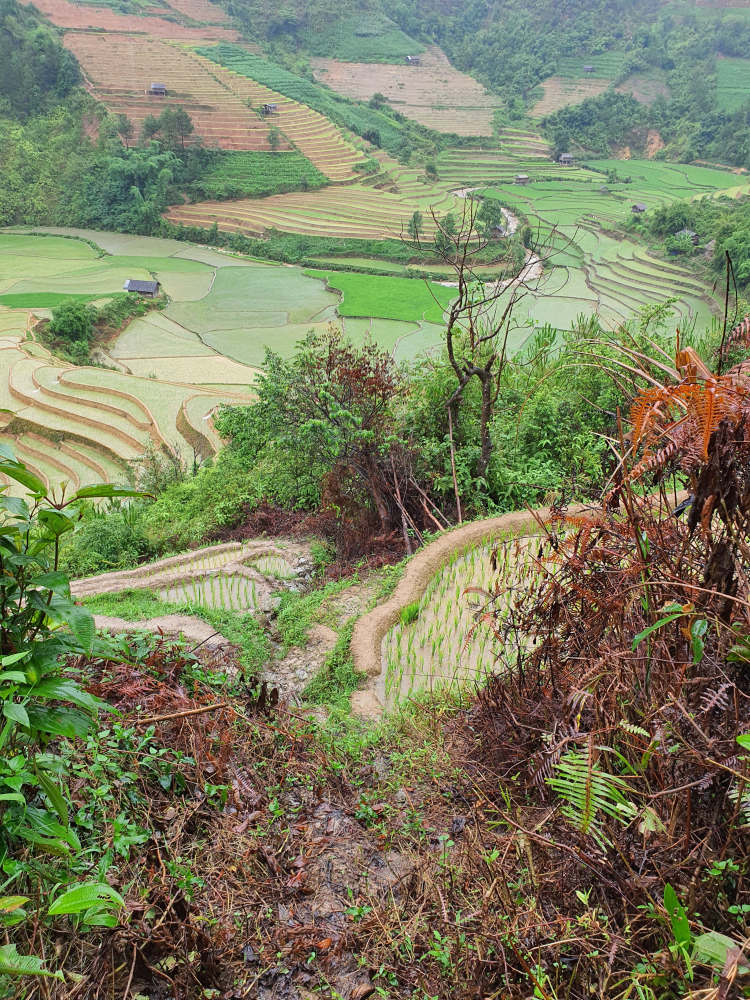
(370, 629)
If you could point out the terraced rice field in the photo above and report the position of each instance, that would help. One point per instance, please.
(404, 299)
(644, 88)
(198, 10)
(444, 647)
(596, 273)
(315, 136)
(346, 211)
(252, 307)
(383, 211)
(120, 69)
(434, 94)
(560, 91)
(86, 424)
(231, 575)
(607, 66)
(381, 206)
(80, 17)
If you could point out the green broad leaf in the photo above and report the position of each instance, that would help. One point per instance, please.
(652, 628)
(107, 490)
(680, 925)
(739, 654)
(65, 612)
(15, 506)
(12, 677)
(10, 903)
(744, 740)
(94, 918)
(56, 522)
(11, 919)
(43, 822)
(13, 964)
(84, 896)
(55, 796)
(55, 581)
(7, 454)
(19, 472)
(59, 721)
(8, 661)
(711, 949)
(12, 797)
(16, 713)
(65, 689)
(697, 631)
(49, 845)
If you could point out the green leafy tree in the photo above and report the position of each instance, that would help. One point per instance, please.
(40, 697)
(151, 127)
(416, 226)
(490, 214)
(274, 138)
(329, 407)
(182, 124)
(72, 321)
(124, 128)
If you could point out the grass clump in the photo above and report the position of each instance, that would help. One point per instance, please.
(298, 612)
(410, 613)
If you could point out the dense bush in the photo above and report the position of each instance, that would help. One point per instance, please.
(72, 321)
(35, 70)
(104, 542)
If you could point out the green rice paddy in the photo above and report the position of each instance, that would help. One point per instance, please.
(386, 297)
(42, 300)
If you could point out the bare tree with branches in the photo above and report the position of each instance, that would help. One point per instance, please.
(481, 317)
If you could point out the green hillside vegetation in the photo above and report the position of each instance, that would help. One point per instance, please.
(514, 46)
(367, 37)
(36, 72)
(256, 175)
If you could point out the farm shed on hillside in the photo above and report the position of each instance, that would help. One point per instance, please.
(270, 109)
(148, 288)
(689, 234)
(497, 232)
(638, 208)
(413, 60)
(566, 159)
(159, 89)
(588, 69)
(522, 179)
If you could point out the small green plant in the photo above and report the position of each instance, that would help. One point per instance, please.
(181, 871)
(440, 951)
(680, 927)
(410, 613)
(587, 792)
(91, 902)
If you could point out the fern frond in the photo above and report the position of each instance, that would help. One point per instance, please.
(634, 730)
(718, 698)
(587, 791)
